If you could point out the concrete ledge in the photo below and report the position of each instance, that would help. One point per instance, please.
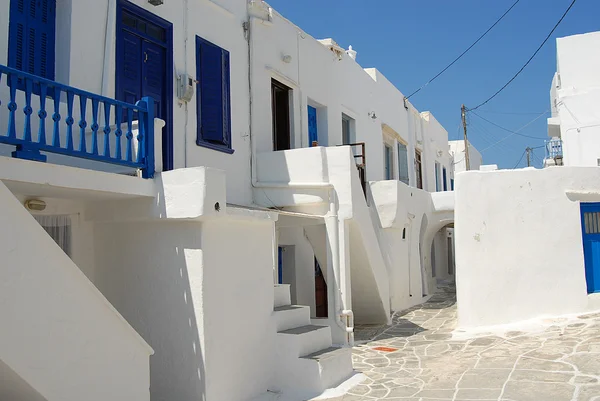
(52, 180)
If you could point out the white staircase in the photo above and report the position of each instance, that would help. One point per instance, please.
(307, 364)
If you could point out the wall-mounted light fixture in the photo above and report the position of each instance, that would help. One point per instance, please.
(286, 58)
(36, 205)
(156, 2)
(372, 115)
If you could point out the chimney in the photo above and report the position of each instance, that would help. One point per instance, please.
(351, 52)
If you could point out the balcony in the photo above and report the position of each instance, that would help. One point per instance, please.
(45, 117)
(554, 153)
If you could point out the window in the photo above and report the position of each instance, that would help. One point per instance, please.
(213, 97)
(280, 108)
(451, 184)
(444, 179)
(59, 228)
(402, 163)
(32, 32)
(346, 130)
(418, 169)
(388, 165)
(437, 177)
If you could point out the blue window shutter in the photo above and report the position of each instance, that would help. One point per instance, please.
(17, 43)
(32, 36)
(213, 97)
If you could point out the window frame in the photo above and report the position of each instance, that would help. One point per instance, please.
(226, 146)
(405, 152)
(388, 161)
(418, 169)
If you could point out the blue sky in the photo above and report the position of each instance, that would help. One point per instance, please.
(410, 41)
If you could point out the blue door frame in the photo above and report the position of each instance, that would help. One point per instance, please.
(279, 265)
(156, 45)
(313, 136)
(590, 228)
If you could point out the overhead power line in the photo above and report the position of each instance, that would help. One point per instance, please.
(522, 154)
(528, 61)
(516, 132)
(465, 52)
(508, 130)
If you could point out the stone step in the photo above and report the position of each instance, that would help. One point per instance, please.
(334, 365)
(303, 340)
(291, 316)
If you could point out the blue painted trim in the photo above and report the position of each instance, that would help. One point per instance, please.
(280, 265)
(214, 146)
(592, 265)
(227, 146)
(168, 163)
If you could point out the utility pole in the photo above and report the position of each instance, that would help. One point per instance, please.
(528, 150)
(463, 112)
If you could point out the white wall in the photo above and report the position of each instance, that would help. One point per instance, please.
(302, 272)
(519, 252)
(457, 151)
(576, 90)
(202, 294)
(43, 293)
(402, 208)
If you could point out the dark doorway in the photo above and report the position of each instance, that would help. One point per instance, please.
(280, 104)
(320, 292)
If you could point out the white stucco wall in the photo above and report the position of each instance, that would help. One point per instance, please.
(412, 212)
(575, 91)
(202, 294)
(519, 252)
(56, 324)
(457, 151)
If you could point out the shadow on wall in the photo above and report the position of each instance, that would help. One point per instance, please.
(152, 290)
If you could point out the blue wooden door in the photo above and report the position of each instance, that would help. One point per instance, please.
(153, 77)
(590, 225)
(313, 137)
(141, 65)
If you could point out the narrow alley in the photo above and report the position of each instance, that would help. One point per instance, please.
(418, 359)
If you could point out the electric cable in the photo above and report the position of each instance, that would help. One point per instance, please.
(528, 61)
(511, 131)
(463, 53)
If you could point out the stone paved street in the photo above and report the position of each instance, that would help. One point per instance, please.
(558, 362)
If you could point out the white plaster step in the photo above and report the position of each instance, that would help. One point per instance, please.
(282, 295)
(334, 365)
(311, 375)
(290, 316)
(303, 340)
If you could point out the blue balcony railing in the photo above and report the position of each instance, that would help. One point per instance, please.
(108, 131)
(554, 148)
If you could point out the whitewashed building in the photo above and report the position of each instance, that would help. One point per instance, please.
(457, 151)
(526, 246)
(196, 231)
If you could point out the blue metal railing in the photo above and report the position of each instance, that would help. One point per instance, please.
(554, 148)
(103, 141)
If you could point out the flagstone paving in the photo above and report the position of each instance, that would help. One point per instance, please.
(559, 362)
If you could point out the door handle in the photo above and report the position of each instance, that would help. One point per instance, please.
(145, 57)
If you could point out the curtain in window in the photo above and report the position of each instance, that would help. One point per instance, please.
(59, 228)
(402, 163)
